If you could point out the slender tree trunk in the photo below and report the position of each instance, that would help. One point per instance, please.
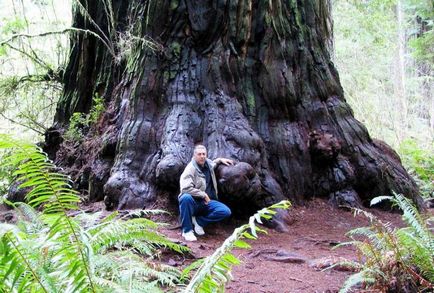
(400, 84)
(252, 80)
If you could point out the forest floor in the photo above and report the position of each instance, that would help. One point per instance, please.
(293, 261)
(287, 262)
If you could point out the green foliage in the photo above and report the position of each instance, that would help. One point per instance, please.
(97, 109)
(31, 68)
(422, 41)
(80, 121)
(214, 271)
(394, 259)
(423, 47)
(48, 188)
(420, 162)
(389, 91)
(13, 25)
(76, 123)
(54, 252)
(6, 176)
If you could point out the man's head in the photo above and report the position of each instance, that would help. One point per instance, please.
(199, 154)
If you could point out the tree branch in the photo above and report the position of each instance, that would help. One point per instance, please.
(59, 32)
(21, 124)
(33, 57)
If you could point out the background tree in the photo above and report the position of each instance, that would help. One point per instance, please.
(382, 51)
(33, 53)
(252, 80)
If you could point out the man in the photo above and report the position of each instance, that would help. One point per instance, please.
(198, 200)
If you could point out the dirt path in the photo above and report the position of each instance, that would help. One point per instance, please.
(308, 244)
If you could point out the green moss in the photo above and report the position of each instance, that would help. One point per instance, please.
(174, 4)
(175, 49)
(166, 76)
(268, 19)
(249, 97)
(251, 101)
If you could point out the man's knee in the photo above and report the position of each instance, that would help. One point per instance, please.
(185, 198)
(225, 211)
(228, 212)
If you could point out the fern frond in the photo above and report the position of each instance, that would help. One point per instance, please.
(394, 254)
(412, 217)
(361, 231)
(416, 252)
(125, 267)
(355, 279)
(128, 232)
(143, 213)
(49, 189)
(56, 254)
(19, 269)
(72, 254)
(53, 191)
(215, 269)
(27, 213)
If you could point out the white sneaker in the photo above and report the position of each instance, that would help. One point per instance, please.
(198, 229)
(189, 236)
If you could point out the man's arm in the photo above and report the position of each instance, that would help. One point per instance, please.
(223, 161)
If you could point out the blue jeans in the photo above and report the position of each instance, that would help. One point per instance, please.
(205, 214)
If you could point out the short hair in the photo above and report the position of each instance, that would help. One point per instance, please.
(199, 147)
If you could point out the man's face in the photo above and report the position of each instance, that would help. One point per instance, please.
(200, 156)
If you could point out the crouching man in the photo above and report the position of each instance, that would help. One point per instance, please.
(198, 200)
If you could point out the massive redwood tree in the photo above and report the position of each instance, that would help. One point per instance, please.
(252, 80)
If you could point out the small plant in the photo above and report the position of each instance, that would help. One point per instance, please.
(79, 122)
(96, 111)
(394, 260)
(76, 124)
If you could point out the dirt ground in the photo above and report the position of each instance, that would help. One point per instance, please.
(277, 262)
(308, 247)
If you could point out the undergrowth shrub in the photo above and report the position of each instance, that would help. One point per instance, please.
(420, 163)
(51, 251)
(393, 259)
(80, 122)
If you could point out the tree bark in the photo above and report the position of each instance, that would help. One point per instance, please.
(252, 80)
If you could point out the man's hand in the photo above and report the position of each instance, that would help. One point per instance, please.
(227, 162)
(206, 199)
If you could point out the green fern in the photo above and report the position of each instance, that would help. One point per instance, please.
(394, 258)
(214, 271)
(415, 222)
(129, 232)
(52, 191)
(54, 252)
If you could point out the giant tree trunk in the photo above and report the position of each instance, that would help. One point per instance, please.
(250, 79)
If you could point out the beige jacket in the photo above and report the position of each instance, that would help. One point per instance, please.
(193, 181)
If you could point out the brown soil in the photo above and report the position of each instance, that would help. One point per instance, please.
(314, 230)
